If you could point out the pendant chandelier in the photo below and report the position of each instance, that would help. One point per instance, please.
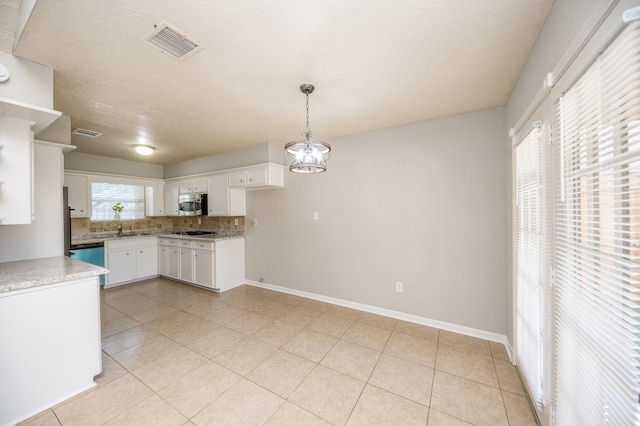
(307, 156)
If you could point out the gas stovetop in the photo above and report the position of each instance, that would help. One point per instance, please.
(193, 233)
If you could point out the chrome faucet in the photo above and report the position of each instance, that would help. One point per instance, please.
(120, 230)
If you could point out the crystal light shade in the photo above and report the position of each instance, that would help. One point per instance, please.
(307, 156)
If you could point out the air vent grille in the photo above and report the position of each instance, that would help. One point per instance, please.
(172, 42)
(86, 132)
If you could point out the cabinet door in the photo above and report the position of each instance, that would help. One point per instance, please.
(172, 267)
(218, 199)
(186, 186)
(154, 199)
(258, 176)
(186, 265)
(162, 260)
(238, 180)
(120, 264)
(203, 271)
(200, 185)
(171, 199)
(79, 194)
(146, 261)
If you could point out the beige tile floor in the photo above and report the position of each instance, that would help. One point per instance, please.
(178, 355)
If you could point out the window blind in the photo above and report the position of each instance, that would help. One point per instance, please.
(597, 242)
(104, 195)
(529, 261)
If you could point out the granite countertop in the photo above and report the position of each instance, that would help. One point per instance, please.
(218, 235)
(23, 274)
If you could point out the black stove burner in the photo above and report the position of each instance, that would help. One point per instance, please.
(193, 233)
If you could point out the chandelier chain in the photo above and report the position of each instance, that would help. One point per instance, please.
(308, 132)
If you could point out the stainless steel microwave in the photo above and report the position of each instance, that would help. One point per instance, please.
(192, 204)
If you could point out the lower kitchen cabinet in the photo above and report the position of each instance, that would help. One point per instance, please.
(204, 268)
(130, 259)
(217, 265)
(186, 263)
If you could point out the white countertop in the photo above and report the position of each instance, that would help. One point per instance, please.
(23, 274)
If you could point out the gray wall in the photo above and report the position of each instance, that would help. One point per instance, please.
(98, 164)
(424, 204)
(29, 82)
(243, 157)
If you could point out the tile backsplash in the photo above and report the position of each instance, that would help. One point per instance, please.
(86, 226)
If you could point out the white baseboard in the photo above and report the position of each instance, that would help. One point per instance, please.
(468, 331)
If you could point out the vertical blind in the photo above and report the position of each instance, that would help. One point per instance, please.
(596, 369)
(104, 195)
(529, 259)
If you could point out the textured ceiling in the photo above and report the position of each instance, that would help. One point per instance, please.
(375, 64)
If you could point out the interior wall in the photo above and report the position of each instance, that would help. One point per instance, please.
(423, 204)
(29, 82)
(115, 166)
(239, 158)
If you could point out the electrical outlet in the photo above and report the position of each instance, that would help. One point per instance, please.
(399, 287)
(199, 221)
(315, 215)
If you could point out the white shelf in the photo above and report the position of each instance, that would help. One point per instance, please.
(39, 116)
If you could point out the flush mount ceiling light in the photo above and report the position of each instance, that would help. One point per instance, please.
(307, 156)
(144, 149)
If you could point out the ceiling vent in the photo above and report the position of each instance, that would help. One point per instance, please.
(85, 132)
(172, 42)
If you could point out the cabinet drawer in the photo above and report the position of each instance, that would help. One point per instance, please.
(203, 245)
(162, 241)
(172, 242)
(186, 244)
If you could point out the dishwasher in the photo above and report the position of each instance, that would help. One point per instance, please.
(91, 253)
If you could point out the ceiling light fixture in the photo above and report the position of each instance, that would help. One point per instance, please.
(307, 156)
(144, 149)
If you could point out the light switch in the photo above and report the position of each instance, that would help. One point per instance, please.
(315, 215)
(254, 222)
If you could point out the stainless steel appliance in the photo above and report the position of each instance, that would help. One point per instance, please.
(192, 204)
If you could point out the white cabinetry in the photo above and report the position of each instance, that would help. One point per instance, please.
(16, 171)
(120, 263)
(79, 194)
(171, 198)
(154, 199)
(186, 261)
(263, 176)
(204, 264)
(50, 342)
(218, 265)
(223, 200)
(18, 122)
(162, 256)
(194, 186)
(172, 259)
(130, 259)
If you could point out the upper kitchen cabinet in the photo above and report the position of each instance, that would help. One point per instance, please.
(223, 200)
(79, 198)
(154, 199)
(263, 176)
(171, 192)
(18, 122)
(194, 186)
